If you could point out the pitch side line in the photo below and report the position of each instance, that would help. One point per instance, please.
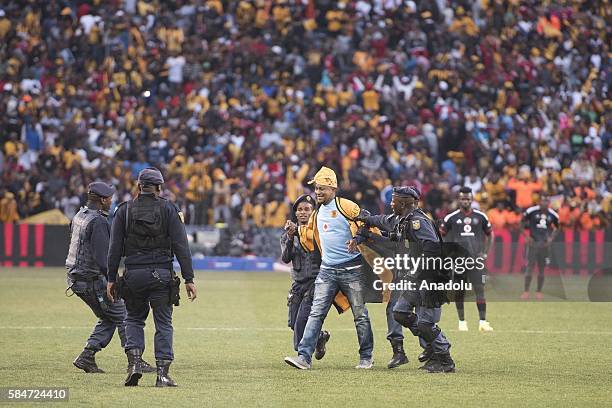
(279, 329)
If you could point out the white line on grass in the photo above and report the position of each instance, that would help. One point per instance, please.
(280, 329)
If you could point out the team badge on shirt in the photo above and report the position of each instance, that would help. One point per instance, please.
(325, 227)
(334, 213)
(416, 224)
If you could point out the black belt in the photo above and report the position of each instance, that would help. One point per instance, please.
(78, 278)
(131, 267)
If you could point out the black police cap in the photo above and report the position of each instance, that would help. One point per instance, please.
(150, 175)
(102, 189)
(407, 192)
(304, 198)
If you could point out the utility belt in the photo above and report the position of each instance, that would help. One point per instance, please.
(78, 278)
(164, 265)
(99, 294)
(124, 291)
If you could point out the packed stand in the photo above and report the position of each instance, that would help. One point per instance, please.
(240, 102)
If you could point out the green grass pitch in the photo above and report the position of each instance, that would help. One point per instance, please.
(230, 345)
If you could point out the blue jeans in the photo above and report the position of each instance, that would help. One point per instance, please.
(328, 283)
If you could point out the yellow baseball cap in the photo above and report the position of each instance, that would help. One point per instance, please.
(325, 177)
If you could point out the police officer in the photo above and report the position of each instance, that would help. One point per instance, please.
(149, 231)
(388, 223)
(542, 222)
(305, 268)
(86, 264)
(420, 237)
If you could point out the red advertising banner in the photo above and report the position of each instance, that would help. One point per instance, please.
(572, 253)
(33, 245)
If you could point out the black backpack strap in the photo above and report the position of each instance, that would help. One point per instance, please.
(127, 218)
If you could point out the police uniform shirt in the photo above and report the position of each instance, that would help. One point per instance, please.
(100, 239)
(420, 238)
(384, 222)
(99, 236)
(418, 227)
(176, 233)
(541, 223)
(467, 229)
(305, 264)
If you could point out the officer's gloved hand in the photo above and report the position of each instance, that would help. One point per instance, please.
(363, 234)
(362, 217)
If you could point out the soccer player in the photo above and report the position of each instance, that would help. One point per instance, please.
(472, 230)
(542, 223)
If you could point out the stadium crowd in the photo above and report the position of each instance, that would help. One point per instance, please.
(240, 102)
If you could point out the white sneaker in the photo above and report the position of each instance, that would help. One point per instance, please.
(484, 326)
(463, 325)
(365, 364)
(298, 362)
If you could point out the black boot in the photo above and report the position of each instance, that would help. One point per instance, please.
(163, 379)
(86, 361)
(145, 367)
(441, 363)
(134, 367)
(399, 357)
(426, 355)
(321, 342)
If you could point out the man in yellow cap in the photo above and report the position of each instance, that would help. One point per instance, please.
(332, 227)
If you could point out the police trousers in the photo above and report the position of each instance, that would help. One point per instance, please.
(149, 288)
(111, 316)
(424, 321)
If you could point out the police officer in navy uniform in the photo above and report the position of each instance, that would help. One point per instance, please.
(149, 231)
(86, 264)
(305, 268)
(417, 231)
(388, 223)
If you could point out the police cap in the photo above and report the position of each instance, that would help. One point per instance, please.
(150, 175)
(100, 188)
(304, 198)
(407, 192)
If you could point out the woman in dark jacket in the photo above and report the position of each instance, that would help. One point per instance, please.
(304, 270)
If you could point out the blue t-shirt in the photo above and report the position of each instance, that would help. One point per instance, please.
(334, 232)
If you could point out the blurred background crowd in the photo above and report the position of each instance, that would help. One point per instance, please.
(240, 102)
